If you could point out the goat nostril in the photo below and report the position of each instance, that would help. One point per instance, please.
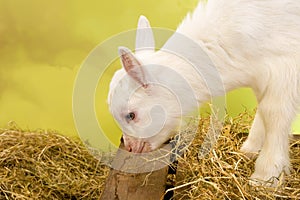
(128, 148)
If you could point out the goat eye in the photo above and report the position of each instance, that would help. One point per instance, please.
(130, 116)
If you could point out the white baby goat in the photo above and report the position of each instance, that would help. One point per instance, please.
(253, 44)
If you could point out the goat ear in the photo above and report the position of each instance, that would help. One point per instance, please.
(144, 36)
(132, 66)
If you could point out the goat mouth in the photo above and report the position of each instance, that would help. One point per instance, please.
(140, 148)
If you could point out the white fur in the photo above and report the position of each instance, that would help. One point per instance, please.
(253, 44)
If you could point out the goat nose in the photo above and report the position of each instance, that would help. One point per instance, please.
(127, 145)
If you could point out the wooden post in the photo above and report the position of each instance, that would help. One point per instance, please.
(147, 185)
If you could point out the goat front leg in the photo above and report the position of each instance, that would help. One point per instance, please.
(277, 114)
(255, 140)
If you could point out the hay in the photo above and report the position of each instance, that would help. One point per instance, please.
(45, 165)
(223, 173)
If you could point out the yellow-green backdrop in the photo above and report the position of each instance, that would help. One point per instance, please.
(43, 43)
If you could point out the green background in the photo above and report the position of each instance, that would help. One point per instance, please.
(43, 43)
